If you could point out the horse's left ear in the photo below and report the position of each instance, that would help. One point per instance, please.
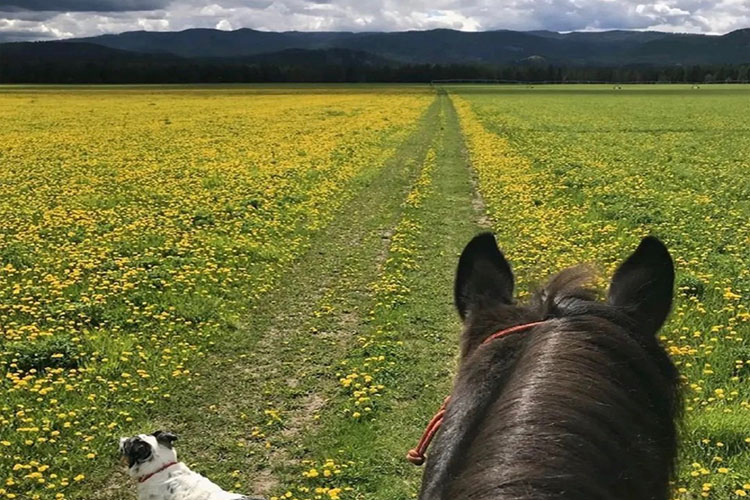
(483, 277)
(644, 284)
(165, 438)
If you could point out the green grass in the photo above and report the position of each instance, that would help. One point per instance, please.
(583, 172)
(414, 328)
(309, 333)
(137, 240)
(266, 396)
(265, 385)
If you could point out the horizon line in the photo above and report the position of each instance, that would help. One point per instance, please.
(262, 30)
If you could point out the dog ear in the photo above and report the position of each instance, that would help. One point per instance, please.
(165, 438)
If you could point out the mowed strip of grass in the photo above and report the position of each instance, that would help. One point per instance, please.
(261, 388)
(580, 176)
(391, 384)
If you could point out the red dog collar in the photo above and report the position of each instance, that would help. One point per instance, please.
(149, 476)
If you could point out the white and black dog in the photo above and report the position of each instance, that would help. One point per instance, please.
(152, 462)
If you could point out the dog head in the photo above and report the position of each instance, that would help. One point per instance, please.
(147, 453)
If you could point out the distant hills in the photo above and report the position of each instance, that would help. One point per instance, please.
(443, 46)
(251, 55)
(74, 52)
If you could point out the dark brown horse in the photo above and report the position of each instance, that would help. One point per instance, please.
(579, 407)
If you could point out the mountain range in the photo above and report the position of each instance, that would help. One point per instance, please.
(440, 46)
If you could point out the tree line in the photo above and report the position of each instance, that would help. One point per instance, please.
(209, 71)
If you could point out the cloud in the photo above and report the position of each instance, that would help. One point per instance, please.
(22, 36)
(46, 10)
(81, 5)
(21, 19)
(23, 30)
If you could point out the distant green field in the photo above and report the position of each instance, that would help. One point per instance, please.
(267, 270)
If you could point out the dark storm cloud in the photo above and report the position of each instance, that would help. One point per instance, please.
(72, 18)
(81, 5)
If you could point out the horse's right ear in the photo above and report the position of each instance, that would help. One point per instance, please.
(483, 277)
(644, 284)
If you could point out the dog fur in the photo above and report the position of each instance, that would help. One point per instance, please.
(148, 457)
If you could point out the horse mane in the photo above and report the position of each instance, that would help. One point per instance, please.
(581, 407)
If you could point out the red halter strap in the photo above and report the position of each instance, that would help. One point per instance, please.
(417, 455)
(508, 331)
(149, 476)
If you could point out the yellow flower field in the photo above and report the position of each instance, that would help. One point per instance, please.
(572, 178)
(142, 226)
(137, 224)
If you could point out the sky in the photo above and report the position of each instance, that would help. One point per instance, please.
(22, 20)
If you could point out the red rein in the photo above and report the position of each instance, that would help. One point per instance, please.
(417, 455)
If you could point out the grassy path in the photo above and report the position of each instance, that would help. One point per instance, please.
(263, 384)
(410, 341)
(267, 405)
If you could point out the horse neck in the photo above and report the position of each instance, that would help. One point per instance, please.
(568, 411)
